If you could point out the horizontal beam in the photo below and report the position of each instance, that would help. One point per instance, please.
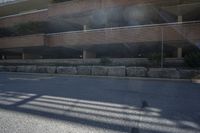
(174, 32)
(76, 7)
(19, 6)
(22, 41)
(33, 16)
(73, 7)
(136, 34)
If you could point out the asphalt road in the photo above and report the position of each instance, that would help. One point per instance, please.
(35, 103)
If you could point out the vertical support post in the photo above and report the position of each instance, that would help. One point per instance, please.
(84, 27)
(88, 54)
(23, 56)
(3, 57)
(179, 53)
(162, 49)
(180, 19)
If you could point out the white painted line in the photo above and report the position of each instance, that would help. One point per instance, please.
(32, 79)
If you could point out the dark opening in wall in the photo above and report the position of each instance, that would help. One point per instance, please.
(25, 29)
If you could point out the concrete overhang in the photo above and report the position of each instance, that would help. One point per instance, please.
(148, 34)
(19, 6)
(93, 12)
(80, 6)
(68, 11)
(33, 16)
(182, 9)
(22, 41)
(173, 32)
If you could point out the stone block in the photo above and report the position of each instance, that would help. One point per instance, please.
(84, 70)
(2, 68)
(136, 71)
(46, 69)
(41, 69)
(51, 69)
(188, 74)
(99, 71)
(30, 69)
(117, 71)
(10, 68)
(20, 68)
(67, 70)
(163, 73)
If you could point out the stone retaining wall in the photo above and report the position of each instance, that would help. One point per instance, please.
(119, 71)
(87, 62)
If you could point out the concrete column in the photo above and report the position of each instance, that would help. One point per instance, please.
(180, 19)
(23, 56)
(84, 27)
(88, 54)
(179, 53)
(3, 57)
(30, 56)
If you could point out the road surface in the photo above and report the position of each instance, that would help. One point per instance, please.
(36, 103)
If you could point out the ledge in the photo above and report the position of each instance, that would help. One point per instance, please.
(22, 41)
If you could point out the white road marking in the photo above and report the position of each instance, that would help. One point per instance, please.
(31, 79)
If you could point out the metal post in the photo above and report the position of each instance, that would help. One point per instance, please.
(162, 49)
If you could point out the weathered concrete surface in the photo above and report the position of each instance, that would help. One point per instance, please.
(41, 69)
(46, 69)
(10, 68)
(99, 70)
(67, 70)
(22, 41)
(21, 68)
(84, 70)
(28, 69)
(88, 62)
(163, 73)
(136, 71)
(36, 103)
(186, 73)
(117, 71)
(2, 68)
(51, 69)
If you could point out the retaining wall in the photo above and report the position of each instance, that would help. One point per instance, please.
(96, 61)
(119, 71)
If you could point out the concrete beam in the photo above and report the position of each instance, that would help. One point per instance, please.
(131, 34)
(22, 41)
(69, 8)
(34, 16)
